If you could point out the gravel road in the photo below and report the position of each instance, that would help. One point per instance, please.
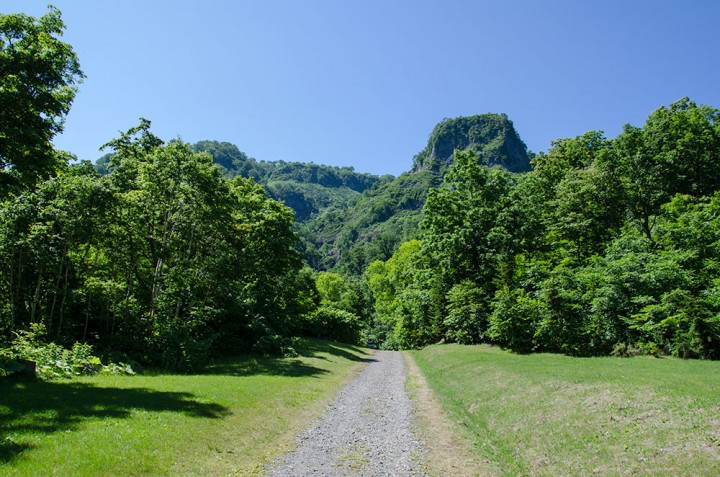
(365, 431)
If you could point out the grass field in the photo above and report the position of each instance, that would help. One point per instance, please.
(229, 420)
(555, 415)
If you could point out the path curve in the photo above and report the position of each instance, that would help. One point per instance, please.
(365, 431)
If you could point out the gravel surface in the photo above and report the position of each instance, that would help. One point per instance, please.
(364, 431)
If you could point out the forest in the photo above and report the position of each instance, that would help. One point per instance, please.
(170, 254)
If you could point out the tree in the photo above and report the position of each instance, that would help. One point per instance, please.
(401, 290)
(335, 292)
(585, 212)
(44, 238)
(463, 237)
(460, 217)
(38, 77)
(677, 152)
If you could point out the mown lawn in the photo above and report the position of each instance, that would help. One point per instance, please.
(229, 420)
(544, 414)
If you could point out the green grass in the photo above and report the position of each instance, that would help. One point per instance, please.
(229, 420)
(546, 414)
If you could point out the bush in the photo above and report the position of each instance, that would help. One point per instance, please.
(52, 360)
(625, 350)
(466, 321)
(514, 320)
(268, 342)
(334, 324)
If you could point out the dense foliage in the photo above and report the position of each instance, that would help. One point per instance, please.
(162, 258)
(308, 189)
(607, 245)
(38, 74)
(170, 253)
(156, 254)
(389, 213)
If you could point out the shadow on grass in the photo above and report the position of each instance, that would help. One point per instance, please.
(350, 352)
(291, 367)
(252, 366)
(41, 407)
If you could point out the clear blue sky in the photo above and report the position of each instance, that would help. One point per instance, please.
(363, 82)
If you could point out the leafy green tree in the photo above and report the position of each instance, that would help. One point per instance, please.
(335, 292)
(44, 239)
(263, 254)
(466, 320)
(684, 317)
(173, 210)
(568, 154)
(199, 259)
(463, 236)
(460, 217)
(38, 77)
(403, 308)
(676, 152)
(585, 212)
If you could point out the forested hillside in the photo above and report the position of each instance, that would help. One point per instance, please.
(169, 253)
(308, 189)
(389, 214)
(346, 219)
(607, 245)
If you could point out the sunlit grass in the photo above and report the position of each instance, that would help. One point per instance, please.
(547, 414)
(230, 420)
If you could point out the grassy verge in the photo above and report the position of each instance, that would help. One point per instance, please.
(556, 415)
(230, 420)
(445, 450)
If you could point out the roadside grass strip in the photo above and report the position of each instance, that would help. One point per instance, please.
(544, 414)
(231, 419)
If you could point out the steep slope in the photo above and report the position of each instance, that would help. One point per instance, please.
(346, 219)
(308, 189)
(390, 212)
(493, 136)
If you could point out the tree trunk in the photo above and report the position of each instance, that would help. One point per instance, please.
(155, 287)
(36, 298)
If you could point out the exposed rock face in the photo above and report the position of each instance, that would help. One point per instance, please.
(493, 136)
(350, 219)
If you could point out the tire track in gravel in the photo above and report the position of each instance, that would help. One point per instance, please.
(365, 431)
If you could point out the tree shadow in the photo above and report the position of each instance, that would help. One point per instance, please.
(42, 407)
(351, 353)
(271, 366)
(291, 367)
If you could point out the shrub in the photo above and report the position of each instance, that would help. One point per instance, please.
(52, 360)
(466, 320)
(514, 320)
(625, 350)
(334, 324)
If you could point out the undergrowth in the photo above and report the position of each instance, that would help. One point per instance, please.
(52, 360)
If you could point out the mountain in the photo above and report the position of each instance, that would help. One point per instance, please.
(390, 212)
(308, 189)
(347, 219)
(493, 136)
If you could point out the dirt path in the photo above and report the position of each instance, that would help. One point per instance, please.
(366, 430)
(448, 453)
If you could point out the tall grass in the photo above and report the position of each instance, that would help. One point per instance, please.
(545, 414)
(229, 420)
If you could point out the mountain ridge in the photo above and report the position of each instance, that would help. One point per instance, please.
(347, 219)
(390, 212)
